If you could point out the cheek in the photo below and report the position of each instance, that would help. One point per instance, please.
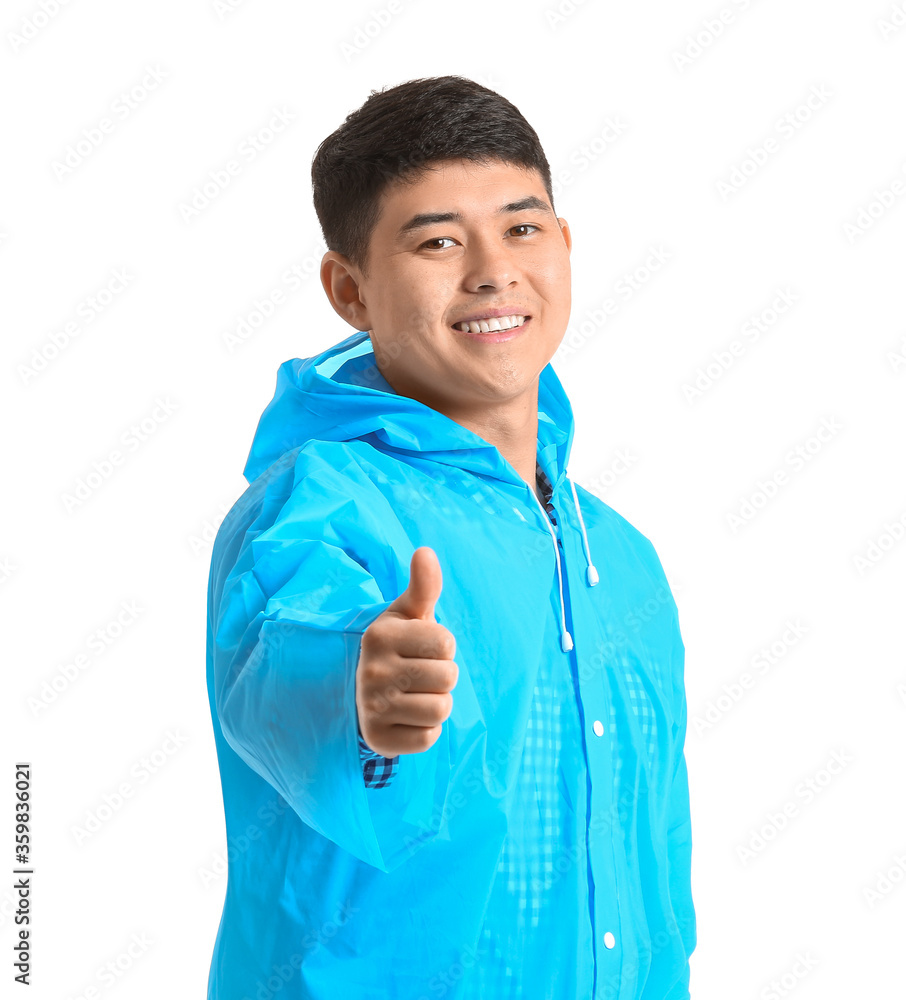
(554, 285)
(554, 270)
(413, 327)
(426, 308)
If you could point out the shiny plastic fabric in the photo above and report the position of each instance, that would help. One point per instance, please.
(541, 848)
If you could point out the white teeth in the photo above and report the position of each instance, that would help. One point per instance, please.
(495, 324)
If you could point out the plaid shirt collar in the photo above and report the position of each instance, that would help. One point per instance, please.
(543, 482)
(546, 489)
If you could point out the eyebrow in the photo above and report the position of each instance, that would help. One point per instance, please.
(433, 218)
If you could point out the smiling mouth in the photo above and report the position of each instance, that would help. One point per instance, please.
(496, 324)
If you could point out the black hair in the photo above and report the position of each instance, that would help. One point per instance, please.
(396, 135)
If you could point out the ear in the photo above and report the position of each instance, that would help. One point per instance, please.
(342, 281)
(567, 236)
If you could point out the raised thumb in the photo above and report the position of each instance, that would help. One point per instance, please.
(425, 583)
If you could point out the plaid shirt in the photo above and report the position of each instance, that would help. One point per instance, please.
(379, 770)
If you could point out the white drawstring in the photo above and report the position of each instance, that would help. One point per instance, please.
(591, 574)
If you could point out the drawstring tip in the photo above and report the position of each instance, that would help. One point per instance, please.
(591, 574)
(566, 643)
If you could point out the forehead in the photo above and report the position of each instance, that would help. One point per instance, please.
(447, 188)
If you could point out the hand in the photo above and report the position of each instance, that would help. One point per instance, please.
(406, 669)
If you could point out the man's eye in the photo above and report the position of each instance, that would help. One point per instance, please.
(524, 225)
(437, 239)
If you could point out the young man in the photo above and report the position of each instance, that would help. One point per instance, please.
(446, 682)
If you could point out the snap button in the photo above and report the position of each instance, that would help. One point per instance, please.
(609, 940)
(598, 728)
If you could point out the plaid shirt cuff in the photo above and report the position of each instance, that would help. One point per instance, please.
(377, 770)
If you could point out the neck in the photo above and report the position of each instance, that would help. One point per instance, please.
(513, 429)
(511, 426)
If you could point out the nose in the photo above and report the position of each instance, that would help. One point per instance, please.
(489, 264)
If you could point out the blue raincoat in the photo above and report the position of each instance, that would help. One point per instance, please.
(541, 848)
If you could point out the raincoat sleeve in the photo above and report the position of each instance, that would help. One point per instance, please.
(679, 850)
(288, 630)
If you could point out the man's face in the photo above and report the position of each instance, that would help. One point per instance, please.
(427, 274)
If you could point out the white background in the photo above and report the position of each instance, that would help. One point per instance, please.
(825, 552)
